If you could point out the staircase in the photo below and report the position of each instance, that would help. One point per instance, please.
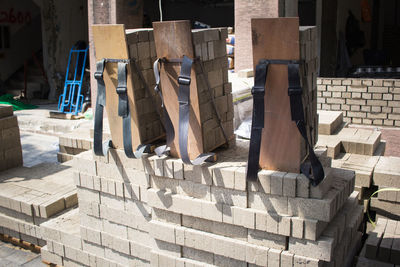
(31, 74)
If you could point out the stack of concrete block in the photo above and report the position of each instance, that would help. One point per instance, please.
(308, 55)
(74, 143)
(10, 142)
(210, 48)
(387, 175)
(30, 196)
(382, 248)
(161, 212)
(142, 49)
(65, 245)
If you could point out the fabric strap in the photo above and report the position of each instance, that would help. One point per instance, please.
(184, 81)
(258, 92)
(311, 167)
(100, 148)
(123, 111)
(169, 128)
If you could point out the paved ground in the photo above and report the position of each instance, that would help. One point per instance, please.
(13, 256)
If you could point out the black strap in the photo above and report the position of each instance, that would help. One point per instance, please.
(100, 148)
(123, 111)
(169, 128)
(184, 81)
(312, 167)
(258, 92)
(168, 124)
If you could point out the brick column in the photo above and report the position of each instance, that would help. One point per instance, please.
(247, 9)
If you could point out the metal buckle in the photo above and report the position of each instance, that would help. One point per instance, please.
(121, 90)
(98, 75)
(256, 90)
(184, 80)
(295, 91)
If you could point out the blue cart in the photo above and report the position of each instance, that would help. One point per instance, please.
(71, 100)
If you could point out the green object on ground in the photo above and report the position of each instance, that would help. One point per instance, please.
(17, 105)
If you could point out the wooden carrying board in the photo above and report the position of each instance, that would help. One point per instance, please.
(281, 142)
(173, 40)
(110, 42)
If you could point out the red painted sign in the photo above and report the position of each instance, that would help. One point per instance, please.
(14, 17)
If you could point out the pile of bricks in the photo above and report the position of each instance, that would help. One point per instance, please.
(74, 143)
(362, 101)
(308, 55)
(10, 143)
(387, 175)
(353, 149)
(210, 48)
(162, 212)
(30, 196)
(382, 248)
(141, 48)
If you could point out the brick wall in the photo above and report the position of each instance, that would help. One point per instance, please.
(362, 101)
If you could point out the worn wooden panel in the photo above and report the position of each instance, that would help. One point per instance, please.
(173, 39)
(110, 42)
(278, 38)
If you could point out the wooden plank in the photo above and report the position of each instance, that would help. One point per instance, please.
(110, 42)
(173, 39)
(278, 38)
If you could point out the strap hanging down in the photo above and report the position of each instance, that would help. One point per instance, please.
(312, 168)
(258, 92)
(100, 148)
(169, 128)
(184, 81)
(123, 111)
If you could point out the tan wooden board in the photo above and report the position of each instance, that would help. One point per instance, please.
(278, 38)
(110, 42)
(173, 39)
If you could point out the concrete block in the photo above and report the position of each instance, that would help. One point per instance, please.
(317, 209)
(265, 239)
(302, 186)
(297, 227)
(261, 201)
(274, 257)
(224, 177)
(49, 257)
(321, 249)
(264, 178)
(229, 197)
(284, 226)
(213, 211)
(162, 231)
(240, 178)
(244, 217)
(277, 183)
(227, 214)
(289, 185)
(286, 259)
(166, 216)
